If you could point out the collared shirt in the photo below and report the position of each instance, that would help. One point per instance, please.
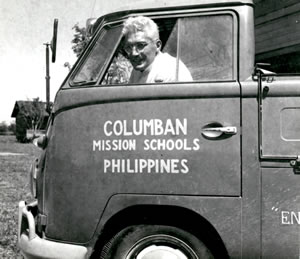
(163, 69)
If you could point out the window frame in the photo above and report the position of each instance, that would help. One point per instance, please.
(161, 15)
(90, 47)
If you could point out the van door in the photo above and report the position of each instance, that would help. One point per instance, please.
(165, 138)
(280, 145)
(208, 108)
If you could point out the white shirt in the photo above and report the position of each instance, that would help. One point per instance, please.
(163, 69)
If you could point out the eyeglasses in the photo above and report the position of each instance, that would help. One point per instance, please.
(139, 47)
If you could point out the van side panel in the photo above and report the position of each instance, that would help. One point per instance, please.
(280, 182)
(144, 146)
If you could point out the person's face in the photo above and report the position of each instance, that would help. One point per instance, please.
(141, 49)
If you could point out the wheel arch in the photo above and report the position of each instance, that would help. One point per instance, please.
(169, 215)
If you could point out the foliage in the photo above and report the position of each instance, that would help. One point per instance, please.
(31, 116)
(6, 129)
(36, 113)
(22, 123)
(118, 72)
(3, 128)
(12, 127)
(81, 38)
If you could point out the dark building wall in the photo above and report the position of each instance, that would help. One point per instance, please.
(277, 33)
(264, 7)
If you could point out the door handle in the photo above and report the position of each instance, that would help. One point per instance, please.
(212, 132)
(226, 130)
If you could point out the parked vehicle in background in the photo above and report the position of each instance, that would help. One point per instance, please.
(201, 169)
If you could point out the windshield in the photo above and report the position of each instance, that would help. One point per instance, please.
(98, 56)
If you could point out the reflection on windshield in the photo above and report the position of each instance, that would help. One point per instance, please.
(90, 70)
(119, 71)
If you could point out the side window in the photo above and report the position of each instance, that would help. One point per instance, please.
(206, 47)
(201, 45)
(120, 69)
(195, 48)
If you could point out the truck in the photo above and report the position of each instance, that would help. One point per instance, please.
(203, 169)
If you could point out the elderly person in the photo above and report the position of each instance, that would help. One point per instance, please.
(143, 49)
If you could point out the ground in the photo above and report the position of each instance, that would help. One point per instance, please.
(15, 162)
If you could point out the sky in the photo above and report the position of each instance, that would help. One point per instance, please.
(25, 25)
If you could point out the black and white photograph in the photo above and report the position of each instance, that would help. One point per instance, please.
(150, 129)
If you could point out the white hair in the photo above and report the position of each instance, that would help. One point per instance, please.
(143, 24)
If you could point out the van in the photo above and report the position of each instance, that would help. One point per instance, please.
(207, 168)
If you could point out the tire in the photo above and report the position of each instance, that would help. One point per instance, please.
(154, 242)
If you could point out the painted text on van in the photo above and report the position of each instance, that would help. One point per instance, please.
(153, 127)
(290, 217)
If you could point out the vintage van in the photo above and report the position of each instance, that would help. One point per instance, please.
(202, 169)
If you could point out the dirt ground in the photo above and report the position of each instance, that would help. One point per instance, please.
(15, 161)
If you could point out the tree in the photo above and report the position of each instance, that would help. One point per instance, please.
(21, 127)
(81, 39)
(3, 128)
(36, 114)
(12, 127)
(31, 116)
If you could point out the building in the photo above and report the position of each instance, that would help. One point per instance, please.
(277, 33)
(31, 117)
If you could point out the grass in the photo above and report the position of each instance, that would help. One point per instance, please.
(14, 186)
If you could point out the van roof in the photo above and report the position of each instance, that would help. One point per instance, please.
(112, 6)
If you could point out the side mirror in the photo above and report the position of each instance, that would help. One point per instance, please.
(54, 40)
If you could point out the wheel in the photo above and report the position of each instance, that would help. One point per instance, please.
(154, 242)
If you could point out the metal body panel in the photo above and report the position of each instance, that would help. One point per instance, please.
(280, 185)
(280, 117)
(102, 8)
(280, 213)
(90, 163)
(251, 174)
(223, 213)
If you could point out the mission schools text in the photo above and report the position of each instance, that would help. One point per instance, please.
(165, 129)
